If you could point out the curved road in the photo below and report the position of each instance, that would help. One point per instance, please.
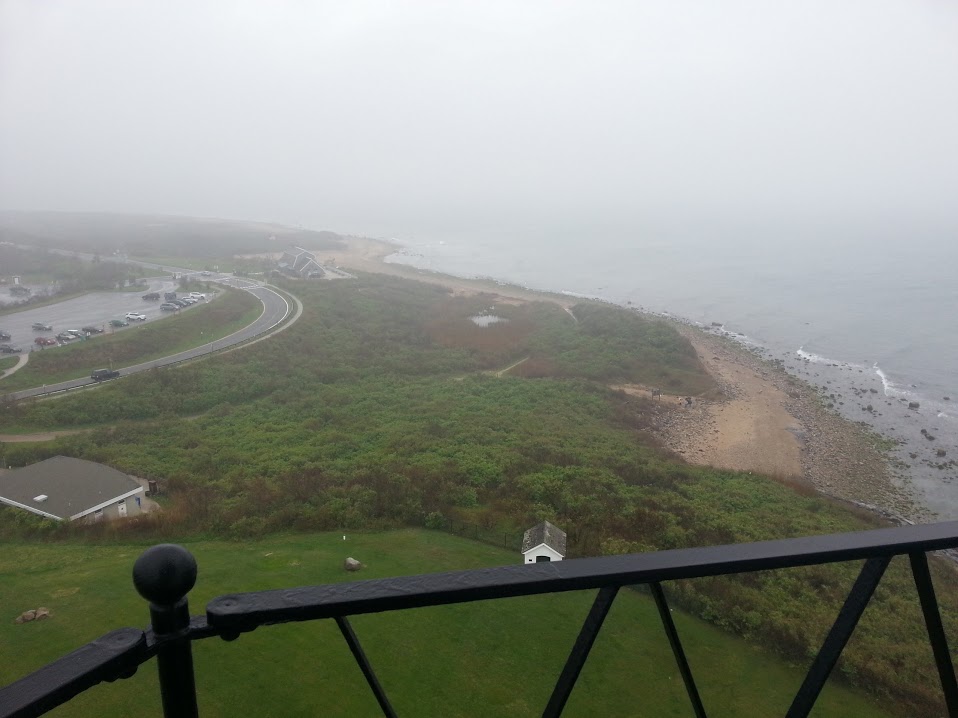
(275, 309)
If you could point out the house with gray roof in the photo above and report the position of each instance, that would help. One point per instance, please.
(67, 489)
(543, 542)
(297, 262)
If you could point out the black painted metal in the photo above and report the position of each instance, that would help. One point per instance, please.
(936, 632)
(248, 610)
(838, 636)
(165, 574)
(357, 650)
(580, 652)
(665, 613)
(112, 656)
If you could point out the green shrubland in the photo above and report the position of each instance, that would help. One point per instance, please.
(381, 407)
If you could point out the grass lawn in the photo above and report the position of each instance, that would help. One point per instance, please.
(199, 325)
(494, 658)
(8, 361)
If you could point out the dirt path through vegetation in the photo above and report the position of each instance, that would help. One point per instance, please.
(42, 436)
(21, 362)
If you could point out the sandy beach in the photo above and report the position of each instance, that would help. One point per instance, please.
(764, 420)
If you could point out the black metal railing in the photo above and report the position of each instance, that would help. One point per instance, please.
(165, 574)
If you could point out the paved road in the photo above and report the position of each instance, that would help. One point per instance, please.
(275, 309)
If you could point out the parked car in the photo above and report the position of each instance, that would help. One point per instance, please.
(198, 295)
(45, 341)
(41, 327)
(7, 349)
(179, 302)
(92, 330)
(169, 295)
(152, 296)
(119, 323)
(188, 301)
(66, 337)
(104, 374)
(135, 316)
(78, 333)
(168, 307)
(4, 335)
(206, 273)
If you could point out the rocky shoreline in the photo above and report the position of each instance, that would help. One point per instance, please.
(839, 458)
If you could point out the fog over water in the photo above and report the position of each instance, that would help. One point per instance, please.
(787, 168)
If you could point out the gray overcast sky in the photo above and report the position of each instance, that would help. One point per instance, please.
(391, 118)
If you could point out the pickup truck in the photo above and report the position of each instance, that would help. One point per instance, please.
(104, 374)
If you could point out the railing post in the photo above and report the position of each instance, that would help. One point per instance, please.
(163, 575)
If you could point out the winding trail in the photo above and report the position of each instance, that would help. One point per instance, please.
(21, 362)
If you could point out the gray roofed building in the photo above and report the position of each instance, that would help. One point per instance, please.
(298, 262)
(64, 488)
(544, 542)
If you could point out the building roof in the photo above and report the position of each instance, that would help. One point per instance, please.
(544, 533)
(72, 487)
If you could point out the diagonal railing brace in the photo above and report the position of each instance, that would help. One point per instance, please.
(838, 636)
(936, 632)
(357, 650)
(666, 614)
(580, 652)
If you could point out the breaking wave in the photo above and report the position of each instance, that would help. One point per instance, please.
(819, 359)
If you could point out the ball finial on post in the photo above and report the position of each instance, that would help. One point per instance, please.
(164, 574)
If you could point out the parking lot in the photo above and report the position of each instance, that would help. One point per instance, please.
(95, 309)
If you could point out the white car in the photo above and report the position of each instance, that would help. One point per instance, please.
(135, 317)
(197, 295)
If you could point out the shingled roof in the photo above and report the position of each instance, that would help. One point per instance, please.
(544, 533)
(71, 487)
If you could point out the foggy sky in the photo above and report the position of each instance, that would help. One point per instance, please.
(396, 118)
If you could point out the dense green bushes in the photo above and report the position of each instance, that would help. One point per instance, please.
(376, 409)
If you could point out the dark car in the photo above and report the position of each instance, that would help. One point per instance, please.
(169, 295)
(152, 296)
(104, 374)
(66, 337)
(7, 349)
(92, 330)
(4, 335)
(41, 327)
(119, 323)
(168, 307)
(45, 341)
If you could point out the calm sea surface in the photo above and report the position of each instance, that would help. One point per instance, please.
(859, 311)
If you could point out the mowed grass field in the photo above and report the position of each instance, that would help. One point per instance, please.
(493, 658)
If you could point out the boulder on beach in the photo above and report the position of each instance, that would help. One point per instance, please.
(941, 452)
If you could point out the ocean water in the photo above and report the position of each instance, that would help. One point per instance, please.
(869, 316)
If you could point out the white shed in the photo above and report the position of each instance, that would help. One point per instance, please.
(543, 542)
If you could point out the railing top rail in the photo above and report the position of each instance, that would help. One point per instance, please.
(105, 659)
(248, 610)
